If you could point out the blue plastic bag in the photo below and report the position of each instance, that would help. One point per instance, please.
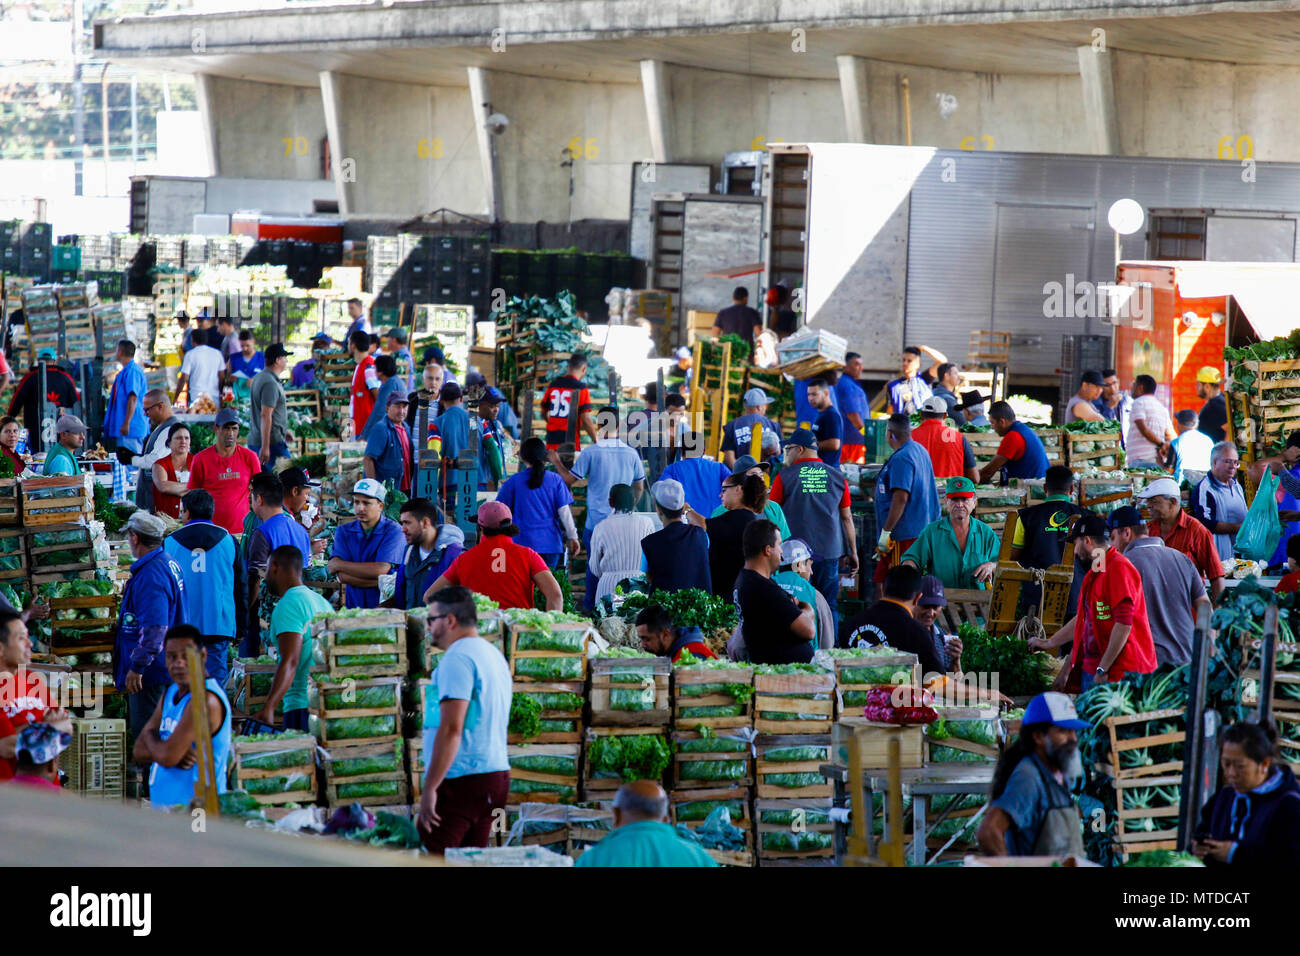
(1259, 533)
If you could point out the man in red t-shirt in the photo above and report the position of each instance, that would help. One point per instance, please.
(660, 637)
(1111, 634)
(24, 695)
(225, 470)
(563, 398)
(365, 380)
(498, 568)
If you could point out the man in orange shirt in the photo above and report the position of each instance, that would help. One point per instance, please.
(949, 451)
(365, 380)
(1182, 532)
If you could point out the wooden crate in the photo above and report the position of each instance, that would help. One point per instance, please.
(551, 820)
(573, 780)
(653, 685)
(57, 500)
(10, 502)
(1120, 745)
(984, 445)
(1166, 817)
(1004, 601)
(304, 399)
(329, 630)
(681, 762)
(766, 744)
(580, 632)
(415, 767)
(327, 714)
(819, 805)
(39, 557)
(987, 502)
(106, 624)
(574, 714)
(1074, 457)
(607, 785)
(989, 348)
(1102, 491)
(771, 694)
(335, 783)
(695, 676)
(902, 663)
(586, 825)
(989, 714)
(874, 745)
(1053, 440)
(246, 698)
(14, 538)
(305, 764)
(743, 819)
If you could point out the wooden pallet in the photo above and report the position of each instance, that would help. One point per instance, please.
(765, 744)
(334, 782)
(1010, 578)
(1120, 745)
(822, 805)
(609, 674)
(902, 663)
(58, 500)
(681, 762)
(989, 348)
(695, 676)
(328, 631)
(607, 785)
(584, 632)
(575, 715)
(966, 606)
(573, 781)
(350, 685)
(771, 694)
(875, 744)
(306, 765)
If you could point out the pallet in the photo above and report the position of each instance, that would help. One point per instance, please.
(765, 744)
(875, 745)
(573, 781)
(552, 737)
(327, 630)
(610, 784)
(605, 674)
(334, 782)
(516, 654)
(1127, 839)
(240, 774)
(1119, 744)
(681, 760)
(821, 805)
(906, 664)
(770, 692)
(966, 606)
(46, 501)
(688, 676)
(326, 714)
(1004, 601)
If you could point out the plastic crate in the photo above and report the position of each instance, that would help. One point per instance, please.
(96, 760)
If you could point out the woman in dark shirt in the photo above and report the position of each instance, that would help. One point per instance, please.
(1254, 820)
(744, 497)
(9, 431)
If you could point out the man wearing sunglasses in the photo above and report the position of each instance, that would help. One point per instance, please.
(158, 410)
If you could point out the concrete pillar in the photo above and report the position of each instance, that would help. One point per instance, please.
(480, 94)
(331, 102)
(853, 91)
(1099, 100)
(658, 103)
(207, 122)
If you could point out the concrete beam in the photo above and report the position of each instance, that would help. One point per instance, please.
(480, 95)
(208, 122)
(1099, 100)
(331, 97)
(658, 100)
(853, 90)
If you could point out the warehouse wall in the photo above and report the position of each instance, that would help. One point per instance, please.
(251, 121)
(414, 147)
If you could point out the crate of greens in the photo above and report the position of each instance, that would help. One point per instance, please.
(255, 684)
(59, 549)
(629, 686)
(587, 825)
(358, 710)
(371, 774)
(13, 554)
(692, 807)
(415, 766)
(618, 755)
(1146, 744)
(57, 500)
(547, 645)
(275, 768)
(544, 773)
(356, 641)
(963, 735)
(546, 712)
(793, 699)
(1095, 443)
(712, 693)
(706, 758)
(10, 509)
(81, 605)
(794, 828)
(858, 670)
(1147, 813)
(789, 765)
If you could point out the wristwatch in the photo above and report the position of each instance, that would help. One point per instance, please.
(1101, 672)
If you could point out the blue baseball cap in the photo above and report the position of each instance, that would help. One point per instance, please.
(1055, 709)
(493, 396)
(803, 437)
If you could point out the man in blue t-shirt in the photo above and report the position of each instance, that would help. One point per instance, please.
(366, 548)
(906, 496)
(247, 361)
(826, 426)
(701, 479)
(124, 420)
(465, 719)
(855, 409)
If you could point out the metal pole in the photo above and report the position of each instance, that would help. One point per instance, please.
(135, 130)
(1267, 666)
(1193, 751)
(78, 100)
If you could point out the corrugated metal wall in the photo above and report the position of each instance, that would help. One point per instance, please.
(957, 252)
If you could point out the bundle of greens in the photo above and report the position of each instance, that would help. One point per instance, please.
(389, 830)
(709, 742)
(525, 716)
(1021, 671)
(1163, 858)
(739, 692)
(384, 762)
(238, 805)
(534, 630)
(349, 696)
(1082, 427)
(359, 728)
(629, 756)
(314, 465)
(866, 673)
(711, 770)
(690, 607)
(559, 764)
(549, 668)
(789, 841)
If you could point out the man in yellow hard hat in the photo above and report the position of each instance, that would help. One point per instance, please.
(1214, 413)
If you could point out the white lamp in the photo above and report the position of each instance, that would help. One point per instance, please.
(1126, 217)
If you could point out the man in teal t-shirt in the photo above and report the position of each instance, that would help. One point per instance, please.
(795, 579)
(61, 457)
(640, 836)
(291, 632)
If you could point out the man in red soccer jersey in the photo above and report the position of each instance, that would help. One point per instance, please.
(564, 398)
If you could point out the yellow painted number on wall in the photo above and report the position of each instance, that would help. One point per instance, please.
(293, 145)
(429, 148)
(580, 148)
(1242, 148)
(968, 142)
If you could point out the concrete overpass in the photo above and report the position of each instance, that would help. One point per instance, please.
(400, 89)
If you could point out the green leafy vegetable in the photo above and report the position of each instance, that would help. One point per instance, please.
(630, 756)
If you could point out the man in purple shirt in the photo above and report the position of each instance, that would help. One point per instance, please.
(305, 371)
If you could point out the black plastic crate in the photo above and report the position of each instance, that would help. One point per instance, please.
(279, 252)
(475, 248)
(448, 247)
(330, 253)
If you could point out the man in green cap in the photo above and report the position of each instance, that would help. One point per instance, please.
(958, 551)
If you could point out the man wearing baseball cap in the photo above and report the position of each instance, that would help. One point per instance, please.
(269, 409)
(225, 470)
(492, 436)
(366, 548)
(305, 371)
(1032, 812)
(738, 434)
(396, 342)
(1214, 413)
(795, 579)
(61, 458)
(1110, 631)
(960, 551)
(388, 446)
(1080, 407)
(1170, 582)
(676, 556)
(499, 568)
(36, 753)
(929, 604)
(1180, 531)
(950, 453)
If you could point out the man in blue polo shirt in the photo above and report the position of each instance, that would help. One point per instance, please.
(855, 409)
(124, 420)
(1217, 501)
(152, 602)
(701, 478)
(388, 447)
(906, 496)
(366, 548)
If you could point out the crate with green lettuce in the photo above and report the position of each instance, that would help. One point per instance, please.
(56, 551)
(793, 699)
(547, 645)
(707, 758)
(789, 765)
(362, 641)
(629, 686)
(963, 735)
(356, 710)
(858, 670)
(275, 769)
(13, 556)
(371, 774)
(251, 678)
(546, 712)
(794, 829)
(1093, 444)
(544, 773)
(713, 693)
(619, 755)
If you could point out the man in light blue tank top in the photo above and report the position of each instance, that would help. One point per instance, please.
(167, 741)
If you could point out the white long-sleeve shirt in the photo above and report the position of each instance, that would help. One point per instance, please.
(616, 548)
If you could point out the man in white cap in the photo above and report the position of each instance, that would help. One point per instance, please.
(950, 453)
(738, 434)
(366, 548)
(61, 459)
(795, 578)
(675, 557)
(1180, 531)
